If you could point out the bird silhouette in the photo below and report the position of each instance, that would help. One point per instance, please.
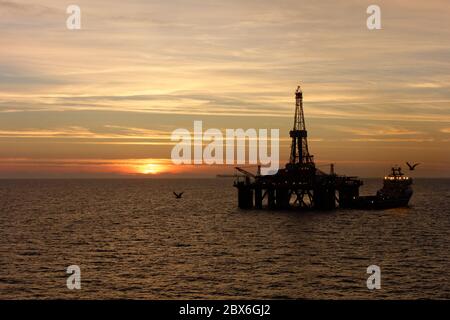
(178, 195)
(412, 167)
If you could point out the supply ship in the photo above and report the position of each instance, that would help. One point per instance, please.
(396, 192)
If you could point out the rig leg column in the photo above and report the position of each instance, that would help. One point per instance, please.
(325, 198)
(271, 198)
(282, 195)
(245, 197)
(258, 198)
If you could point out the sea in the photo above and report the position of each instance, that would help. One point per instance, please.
(132, 239)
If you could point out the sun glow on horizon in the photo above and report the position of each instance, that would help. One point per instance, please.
(152, 168)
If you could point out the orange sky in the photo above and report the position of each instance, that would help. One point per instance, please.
(102, 101)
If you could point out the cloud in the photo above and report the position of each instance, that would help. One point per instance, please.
(427, 85)
(106, 132)
(31, 167)
(72, 132)
(26, 14)
(371, 130)
(85, 162)
(392, 140)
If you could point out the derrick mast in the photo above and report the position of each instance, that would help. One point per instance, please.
(299, 147)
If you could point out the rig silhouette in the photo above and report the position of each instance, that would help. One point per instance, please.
(300, 185)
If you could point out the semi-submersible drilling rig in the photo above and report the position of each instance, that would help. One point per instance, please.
(300, 184)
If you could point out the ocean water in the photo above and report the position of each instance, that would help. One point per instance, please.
(132, 239)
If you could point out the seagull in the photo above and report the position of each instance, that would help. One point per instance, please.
(412, 167)
(178, 195)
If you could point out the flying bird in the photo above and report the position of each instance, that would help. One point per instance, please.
(178, 195)
(412, 167)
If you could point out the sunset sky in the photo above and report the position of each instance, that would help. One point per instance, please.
(103, 101)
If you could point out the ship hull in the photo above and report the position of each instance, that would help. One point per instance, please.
(377, 203)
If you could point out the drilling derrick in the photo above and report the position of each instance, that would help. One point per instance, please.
(299, 135)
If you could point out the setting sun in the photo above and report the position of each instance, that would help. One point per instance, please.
(152, 168)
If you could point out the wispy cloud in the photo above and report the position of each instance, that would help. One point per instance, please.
(96, 167)
(427, 85)
(77, 132)
(107, 132)
(392, 140)
(371, 130)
